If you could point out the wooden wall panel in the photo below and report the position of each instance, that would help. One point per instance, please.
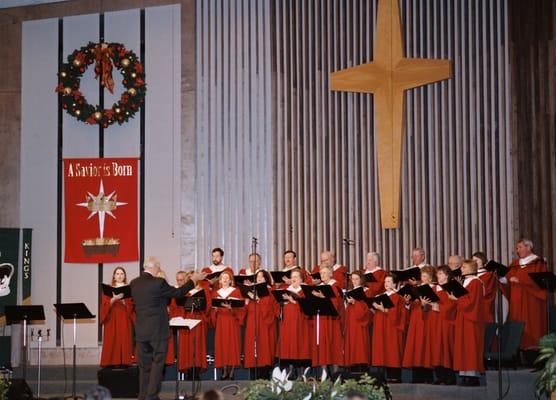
(533, 118)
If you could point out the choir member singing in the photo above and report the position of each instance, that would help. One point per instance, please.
(373, 267)
(490, 285)
(328, 352)
(469, 335)
(388, 332)
(442, 331)
(260, 329)
(227, 322)
(328, 259)
(356, 332)
(418, 258)
(193, 343)
(454, 263)
(527, 300)
(117, 316)
(417, 353)
(294, 344)
(253, 268)
(216, 266)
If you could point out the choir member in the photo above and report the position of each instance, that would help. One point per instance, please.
(469, 335)
(490, 285)
(260, 324)
(290, 263)
(328, 259)
(294, 344)
(527, 300)
(418, 258)
(388, 332)
(329, 350)
(373, 267)
(193, 343)
(356, 331)
(216, 266)
(118, 317)
(454, 263)
(442, 331)
(417, 353)
(227, 322)
(253, 268)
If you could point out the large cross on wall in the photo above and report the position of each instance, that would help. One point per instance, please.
(387, 77)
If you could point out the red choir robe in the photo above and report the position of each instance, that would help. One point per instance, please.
(528, 301)
(443, 330)
(195, 340)
(330, 348)
(295, 331)
(227, 337)
(388, 333)
(469, 335)
(490, 284)
(266, 310)
(377, 287)
(417, 351)
(338, 274)
(356, 333)
(118, 320)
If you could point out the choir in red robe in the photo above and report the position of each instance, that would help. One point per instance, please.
(356, 332)
(388, 333)
(227, 322)
(469, 335)
(328, 347)
(117, 317)
(527, 300)
(294, 345)
(260, 318)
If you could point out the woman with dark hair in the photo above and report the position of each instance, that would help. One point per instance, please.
(442, 331)
(227, 322)
(356, 331)
(117, 316)
(388, 332)
(260, 320)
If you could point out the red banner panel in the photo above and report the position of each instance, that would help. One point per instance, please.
(100, 201)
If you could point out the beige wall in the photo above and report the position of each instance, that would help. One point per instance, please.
(10, 99)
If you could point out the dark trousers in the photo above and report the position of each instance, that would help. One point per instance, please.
(152, 355)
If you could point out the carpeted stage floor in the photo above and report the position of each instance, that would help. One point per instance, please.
(56, 382)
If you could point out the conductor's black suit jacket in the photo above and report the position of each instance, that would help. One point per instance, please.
(150, 296)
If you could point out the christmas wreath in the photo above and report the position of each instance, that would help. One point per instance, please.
(105, 56)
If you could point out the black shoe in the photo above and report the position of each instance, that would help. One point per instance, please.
(449, 382)
(463, 381)
(393, 380)
(473, 381)
(438, 382)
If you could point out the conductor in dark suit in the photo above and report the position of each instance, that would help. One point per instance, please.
(150, 295)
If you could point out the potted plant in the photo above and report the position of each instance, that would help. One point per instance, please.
(4, 386)
(279, 387)
(546, 363)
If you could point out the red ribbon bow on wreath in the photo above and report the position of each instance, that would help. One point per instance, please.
(103, 66)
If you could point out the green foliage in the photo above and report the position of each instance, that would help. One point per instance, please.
(546, 361)
(4, 386)
(313, 390)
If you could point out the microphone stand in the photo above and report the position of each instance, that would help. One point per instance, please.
(499, 327)
(347, 244)
(254, 242)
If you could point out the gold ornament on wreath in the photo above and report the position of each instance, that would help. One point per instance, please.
(105, 56)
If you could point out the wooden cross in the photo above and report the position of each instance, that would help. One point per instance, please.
(387, 77)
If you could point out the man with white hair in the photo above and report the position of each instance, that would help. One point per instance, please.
(328, 259)
(454, 263)
(418, 258)
(527, 300)
(150, 295)
(373, 268)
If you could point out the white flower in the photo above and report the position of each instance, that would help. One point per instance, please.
(324, 375)
(280, 381)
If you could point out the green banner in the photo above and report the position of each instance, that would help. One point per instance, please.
(9, 257)
(26, 266)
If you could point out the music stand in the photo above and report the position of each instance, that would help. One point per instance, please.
(314, 306)
(179, 323)
(545, 281)
(25, 314)
(73, 311)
